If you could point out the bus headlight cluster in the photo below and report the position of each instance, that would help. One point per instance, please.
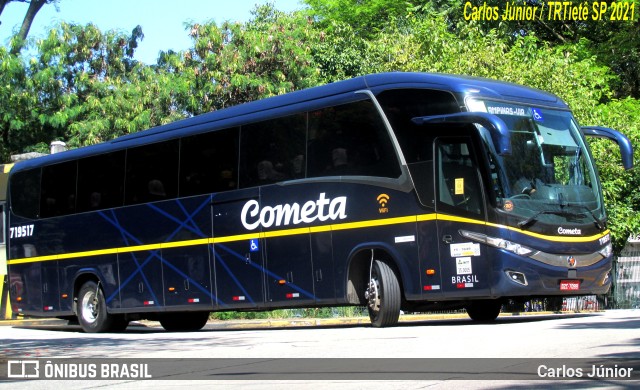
(606, 251)
(500, 243)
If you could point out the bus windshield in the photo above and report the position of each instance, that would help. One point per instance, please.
(549, 176)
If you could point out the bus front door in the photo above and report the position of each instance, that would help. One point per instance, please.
(465, 268)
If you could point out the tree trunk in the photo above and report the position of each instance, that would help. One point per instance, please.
(2, 4)
(34, 7)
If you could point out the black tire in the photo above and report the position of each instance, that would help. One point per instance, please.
(119, 324)
(383, 296)
(184, 321)
(92, 309)
(484, 310)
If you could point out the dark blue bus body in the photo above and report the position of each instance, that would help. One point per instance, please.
(325, 197)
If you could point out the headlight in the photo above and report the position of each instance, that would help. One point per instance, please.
(607, 250)
(498, 243)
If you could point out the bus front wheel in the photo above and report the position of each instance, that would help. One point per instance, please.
(92, 309)
(185, 321)
(484, 310)
(383, 295)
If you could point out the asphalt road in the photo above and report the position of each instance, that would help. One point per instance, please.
(426, 351)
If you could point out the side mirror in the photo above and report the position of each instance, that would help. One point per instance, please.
(626, 149)
(500, 135)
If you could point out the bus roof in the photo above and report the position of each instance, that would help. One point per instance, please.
(327, 94)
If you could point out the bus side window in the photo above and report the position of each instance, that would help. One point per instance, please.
(58, 196)
(101, 181)
(25, 193)
(350, 140)
(209, 162)
(416, 141)
(272, 150)
(152, 172)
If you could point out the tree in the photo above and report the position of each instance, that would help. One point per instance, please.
(234, 63)
(366, 17)
(17, 97)
(82, 86)
(32, 11)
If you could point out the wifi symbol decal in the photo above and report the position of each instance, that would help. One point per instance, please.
(383, 200)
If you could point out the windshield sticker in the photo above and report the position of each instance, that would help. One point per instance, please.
(508, 206)
(459, 186)
(537, 115)
(465, 249)
(507, 110)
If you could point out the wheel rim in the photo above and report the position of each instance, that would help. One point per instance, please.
(373, 294)
(89, 308)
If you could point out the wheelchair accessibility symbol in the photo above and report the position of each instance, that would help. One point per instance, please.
(253, 245)
(537, 115)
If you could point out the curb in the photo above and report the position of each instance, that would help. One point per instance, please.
(33, 322)
(283, 323)
(286, 323)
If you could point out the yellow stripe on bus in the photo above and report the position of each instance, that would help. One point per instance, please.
(298, 231)
(443, 217)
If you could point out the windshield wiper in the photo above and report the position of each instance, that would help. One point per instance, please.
(524, 223)
(599, 224)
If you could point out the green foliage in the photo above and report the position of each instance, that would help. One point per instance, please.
(620, 187)
(16, 99)
(235, 63)
(366, 17)
(324, 312)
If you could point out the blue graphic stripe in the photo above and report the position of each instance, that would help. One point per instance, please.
(186, 222)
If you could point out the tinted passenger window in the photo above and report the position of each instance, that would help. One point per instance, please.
(401, 105)
(25, 193)
(350, 140)
(152, 172)
(101, 181)
(58, 195)
(416, 141)
(209, 162)
(273, 151)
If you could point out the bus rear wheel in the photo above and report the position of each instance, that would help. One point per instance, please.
(484, 310)
(92, 309)
(383, 295)
(184, 321)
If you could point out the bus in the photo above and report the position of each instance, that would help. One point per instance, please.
(394, 191)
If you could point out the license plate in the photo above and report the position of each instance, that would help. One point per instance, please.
(569, 285)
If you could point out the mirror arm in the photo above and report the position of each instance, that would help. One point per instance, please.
(626, 149)
(500, 135)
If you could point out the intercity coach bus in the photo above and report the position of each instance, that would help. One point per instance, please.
(395, 191)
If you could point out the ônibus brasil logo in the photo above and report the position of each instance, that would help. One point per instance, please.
(323, 209)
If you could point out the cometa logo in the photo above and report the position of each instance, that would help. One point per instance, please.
(323, 209)
(383, 200)
(573, 232)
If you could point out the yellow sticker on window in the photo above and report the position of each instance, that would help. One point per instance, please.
(459, 190)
